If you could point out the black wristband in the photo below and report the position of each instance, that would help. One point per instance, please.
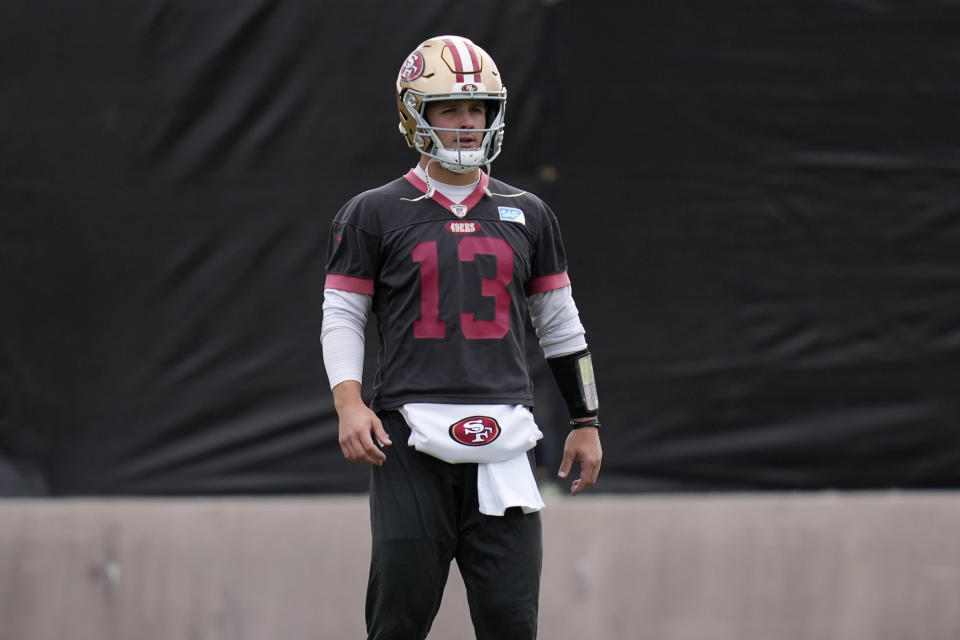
(592, 422)
(575, 379)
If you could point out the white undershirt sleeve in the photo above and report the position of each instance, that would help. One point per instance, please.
(556, 319)
(344, 319)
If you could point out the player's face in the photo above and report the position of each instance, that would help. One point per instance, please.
(458, 114)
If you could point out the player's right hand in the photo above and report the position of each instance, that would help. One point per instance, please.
(362, 435)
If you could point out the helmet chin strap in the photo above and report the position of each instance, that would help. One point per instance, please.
(487, 191)
(452, 158)
(432, 190)
(455, 166)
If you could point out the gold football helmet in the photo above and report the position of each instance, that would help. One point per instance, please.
(450, 68)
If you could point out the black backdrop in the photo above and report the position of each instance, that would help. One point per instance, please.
(760, 202)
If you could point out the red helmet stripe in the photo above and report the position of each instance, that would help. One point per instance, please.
(475, 62)
(457, 61)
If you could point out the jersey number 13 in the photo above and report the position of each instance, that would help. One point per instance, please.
(430, 325)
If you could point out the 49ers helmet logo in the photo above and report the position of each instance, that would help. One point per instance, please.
(412, 67)
(475, 431)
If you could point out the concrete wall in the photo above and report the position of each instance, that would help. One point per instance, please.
(770, 567)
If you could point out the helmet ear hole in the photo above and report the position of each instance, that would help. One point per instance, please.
(493, 108)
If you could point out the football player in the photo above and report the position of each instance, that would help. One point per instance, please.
(450, 260)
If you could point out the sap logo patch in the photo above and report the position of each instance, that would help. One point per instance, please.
(475, 431)
(512, 214)
(463, 227)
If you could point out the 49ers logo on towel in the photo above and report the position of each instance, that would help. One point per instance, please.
(475, 431)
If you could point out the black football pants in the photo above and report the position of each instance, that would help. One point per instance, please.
(423, 514)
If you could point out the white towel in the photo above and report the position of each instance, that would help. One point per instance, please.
(510, 483)
(496, 437)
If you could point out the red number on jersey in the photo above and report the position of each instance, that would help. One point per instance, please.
(495, 287)
(430, 325)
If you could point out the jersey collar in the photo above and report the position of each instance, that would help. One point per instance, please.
(459, 210)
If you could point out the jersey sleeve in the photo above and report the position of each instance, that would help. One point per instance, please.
(352, 254)
(549, 268)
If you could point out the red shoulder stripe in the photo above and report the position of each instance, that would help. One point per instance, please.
(349, 283)
(548, 283)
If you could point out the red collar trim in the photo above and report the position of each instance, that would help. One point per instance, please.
(475, 196)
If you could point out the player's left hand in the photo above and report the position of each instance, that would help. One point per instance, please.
(584, 445)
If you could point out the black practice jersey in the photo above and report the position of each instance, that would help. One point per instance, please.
(449, 284)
